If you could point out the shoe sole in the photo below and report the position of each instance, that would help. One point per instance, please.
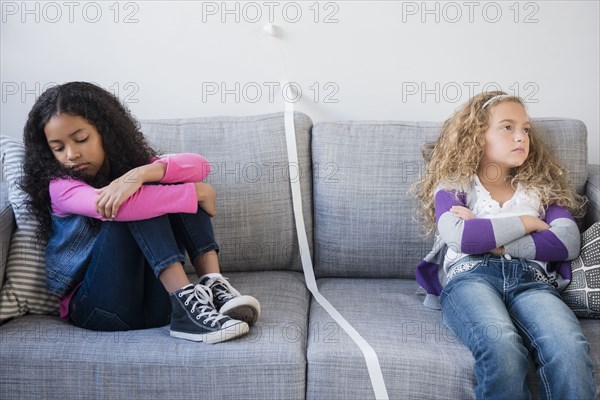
(242, 308)
(231, 332)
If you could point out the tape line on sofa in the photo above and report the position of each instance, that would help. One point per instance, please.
(369, 354)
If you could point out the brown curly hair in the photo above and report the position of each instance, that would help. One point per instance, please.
(465, 130)
(124, 144)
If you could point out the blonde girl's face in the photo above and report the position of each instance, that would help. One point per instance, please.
(76, 144)
(507, 137)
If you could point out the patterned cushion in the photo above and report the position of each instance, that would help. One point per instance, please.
(24, 290)
(583, 293)
(7, 227)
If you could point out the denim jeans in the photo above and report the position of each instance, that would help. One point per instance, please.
(501, 313)
(120, 288)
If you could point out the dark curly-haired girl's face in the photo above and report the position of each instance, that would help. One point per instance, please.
(76, 144)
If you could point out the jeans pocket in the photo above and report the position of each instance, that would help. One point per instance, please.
(537, 274)
(100, 320)
(462, 267)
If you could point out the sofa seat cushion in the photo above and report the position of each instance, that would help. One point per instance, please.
(419, 356)
(45, 357)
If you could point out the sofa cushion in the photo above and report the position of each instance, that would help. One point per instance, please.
(24, 290)
(249, 169)
(7, 227)
(592, 191)
(583, 292)
(364, 214)
(42, 356)
(419, 356)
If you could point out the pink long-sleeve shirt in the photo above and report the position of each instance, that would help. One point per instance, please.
(71, 196)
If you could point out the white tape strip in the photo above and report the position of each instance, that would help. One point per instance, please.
(369, 354)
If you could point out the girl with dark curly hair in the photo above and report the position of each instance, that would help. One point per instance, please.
(117, 220)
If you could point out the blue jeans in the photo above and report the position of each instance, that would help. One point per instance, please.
(501, 313)
(121, 289)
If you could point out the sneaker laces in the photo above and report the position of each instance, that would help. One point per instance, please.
(201, 298)
(222, 288)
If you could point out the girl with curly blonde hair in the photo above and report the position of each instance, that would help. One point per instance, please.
(503, 213)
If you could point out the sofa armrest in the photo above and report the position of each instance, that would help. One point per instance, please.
(7, 227)
(592, 191)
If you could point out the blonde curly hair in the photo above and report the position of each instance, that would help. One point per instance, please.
(465, 130)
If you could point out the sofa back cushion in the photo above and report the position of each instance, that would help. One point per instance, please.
(364, 214)
(254, 226)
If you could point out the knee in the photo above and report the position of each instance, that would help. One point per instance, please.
(113, 226)
(568, 354)
(497, 346)
(566, 368)
(114, 230)
(577, 347)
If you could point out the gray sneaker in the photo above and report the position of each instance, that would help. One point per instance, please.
(230, 302)
(194, 317)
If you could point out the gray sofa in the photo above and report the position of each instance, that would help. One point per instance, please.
(364, 243)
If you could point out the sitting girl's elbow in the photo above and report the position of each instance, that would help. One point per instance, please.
(450, 237)
(455, 246)
(573, 251)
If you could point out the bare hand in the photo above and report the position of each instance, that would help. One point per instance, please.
(498, 251)
(462, 212)
(533, 224)
(207, 198)
(111, 197)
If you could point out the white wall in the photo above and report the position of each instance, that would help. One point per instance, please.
(371, 60)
